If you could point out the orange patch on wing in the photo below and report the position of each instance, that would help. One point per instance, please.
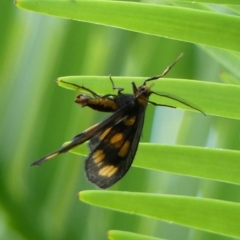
(130, 121)
(98, 157)
(124, 149)
(117, 140)
(105, 133)
(108, 171)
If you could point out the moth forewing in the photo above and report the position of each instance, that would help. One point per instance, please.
(86, 135)
(112, 156)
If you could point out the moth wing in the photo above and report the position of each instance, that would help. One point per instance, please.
(115, 148)
(86, 135)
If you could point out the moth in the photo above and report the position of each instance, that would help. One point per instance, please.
(113, 142)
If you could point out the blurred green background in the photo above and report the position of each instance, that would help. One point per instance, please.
(37, 116)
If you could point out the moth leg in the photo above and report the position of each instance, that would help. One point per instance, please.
(115, 88)
(162, 105)
(84, 88)
(92, 92)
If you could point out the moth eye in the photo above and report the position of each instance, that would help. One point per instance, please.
(142, 89)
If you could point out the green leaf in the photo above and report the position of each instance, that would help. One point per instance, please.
(209, 163)
(229, 59)
(36, 48)
(232, 2)
(212, 98)
(183, 24)
(229, 79)
(216, 216)
(121, 235)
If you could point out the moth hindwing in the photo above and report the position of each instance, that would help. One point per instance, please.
(114, 141)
